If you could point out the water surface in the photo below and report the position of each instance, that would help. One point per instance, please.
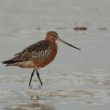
(77, 80)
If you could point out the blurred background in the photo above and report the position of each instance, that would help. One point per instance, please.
(75, 79)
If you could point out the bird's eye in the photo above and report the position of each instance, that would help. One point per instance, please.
(54, 35)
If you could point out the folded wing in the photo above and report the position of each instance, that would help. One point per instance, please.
(37, 51)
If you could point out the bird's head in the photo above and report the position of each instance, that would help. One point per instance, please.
(53, 36)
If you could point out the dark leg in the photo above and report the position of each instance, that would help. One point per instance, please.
(31, 78)
(39, 77)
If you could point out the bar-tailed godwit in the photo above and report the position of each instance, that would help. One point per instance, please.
(37, 55)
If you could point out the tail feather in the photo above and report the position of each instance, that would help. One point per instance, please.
(9, 62)
(12, 61)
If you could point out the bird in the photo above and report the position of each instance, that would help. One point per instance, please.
(38, 55)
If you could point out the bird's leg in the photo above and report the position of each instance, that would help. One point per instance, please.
(31, 78)
(37, 73)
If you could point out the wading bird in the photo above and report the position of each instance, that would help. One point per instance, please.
(37, 55)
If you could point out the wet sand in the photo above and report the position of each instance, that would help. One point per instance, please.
(78, 80)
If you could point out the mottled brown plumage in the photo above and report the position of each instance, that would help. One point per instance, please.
(38, 54)
(33, 55)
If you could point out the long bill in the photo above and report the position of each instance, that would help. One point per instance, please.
(68, 44)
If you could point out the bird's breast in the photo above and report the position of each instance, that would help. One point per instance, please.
(50, 56)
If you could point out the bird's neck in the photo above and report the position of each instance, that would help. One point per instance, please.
(51, 41)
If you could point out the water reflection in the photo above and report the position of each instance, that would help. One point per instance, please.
(34, 105)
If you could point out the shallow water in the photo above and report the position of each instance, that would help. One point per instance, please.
(77, 80)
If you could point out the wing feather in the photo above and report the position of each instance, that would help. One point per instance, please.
(37, 51)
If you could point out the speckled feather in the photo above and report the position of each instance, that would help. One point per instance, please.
(36, 51)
